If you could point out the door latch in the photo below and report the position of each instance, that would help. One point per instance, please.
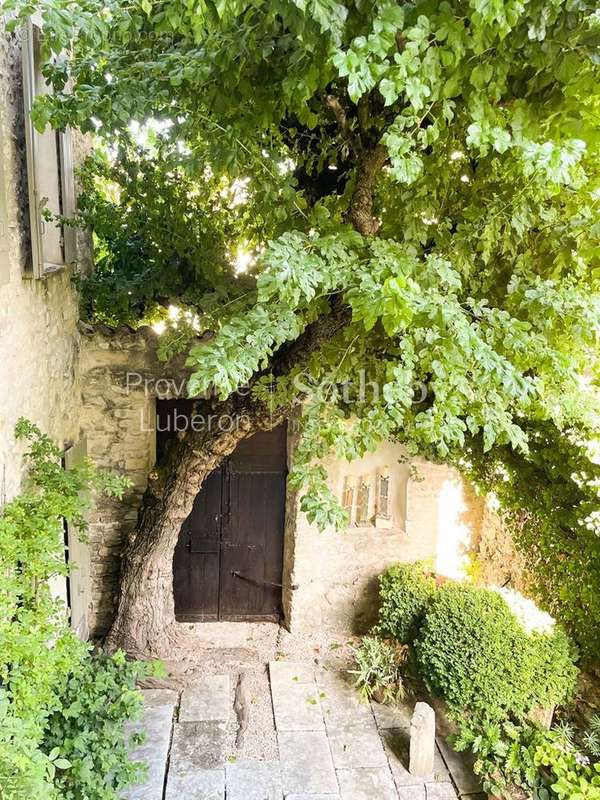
(236, 574)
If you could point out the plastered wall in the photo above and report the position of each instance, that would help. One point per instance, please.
(39, 349)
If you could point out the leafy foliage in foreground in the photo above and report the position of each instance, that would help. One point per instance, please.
(432, 167)
(543, 763)
(46, 744)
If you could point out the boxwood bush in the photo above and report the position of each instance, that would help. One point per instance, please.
(404, 592)
(474, 653)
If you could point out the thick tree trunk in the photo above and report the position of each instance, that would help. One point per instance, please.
(145, 622)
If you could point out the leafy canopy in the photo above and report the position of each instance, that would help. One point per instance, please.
(431, 166)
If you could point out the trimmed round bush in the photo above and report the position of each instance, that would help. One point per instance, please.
(474, 653)
(404, 592)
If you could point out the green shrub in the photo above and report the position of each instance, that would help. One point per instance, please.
(378, 674)
(474, 653)
(87, 731)
(38, 650)
(404, 592)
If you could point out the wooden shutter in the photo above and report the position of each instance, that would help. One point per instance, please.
(78, 552)
(4, 255)
(49, 169)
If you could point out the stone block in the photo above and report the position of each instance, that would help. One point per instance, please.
(422, 741)
(460, 766)
(156, 722)
(341, 703)
(312, 797)
(397, 745)
(306, 765)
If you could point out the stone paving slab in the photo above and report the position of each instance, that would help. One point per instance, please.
(253, 780)
(306, 765)
(198, 745)
(392, 716)
(159, 707)
(159, 698)
(357, 746)
(366, 784)
(396, 743)
(287, 672)
(312, 797)
(341, 703)
(440, 791)
(204, 784)
(297, 707)
(210, 701)
(416, 792)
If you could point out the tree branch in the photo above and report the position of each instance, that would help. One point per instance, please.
(360, 213)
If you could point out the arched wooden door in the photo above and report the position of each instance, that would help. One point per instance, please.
(229, 558)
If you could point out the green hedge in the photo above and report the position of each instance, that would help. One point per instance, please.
(404, 593)
(62, 711)
(473, 653)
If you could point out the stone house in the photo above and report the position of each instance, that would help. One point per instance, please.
(103, 392)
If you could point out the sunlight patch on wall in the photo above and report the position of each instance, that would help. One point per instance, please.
(454, 533)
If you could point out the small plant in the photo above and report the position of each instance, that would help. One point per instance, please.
(378, 674)
(591, 737)
(404, 591)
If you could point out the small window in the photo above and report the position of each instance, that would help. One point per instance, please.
(49, 170)
(383, 494)
(362, 502)
(349, 497)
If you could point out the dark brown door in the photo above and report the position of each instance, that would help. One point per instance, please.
(229, 558)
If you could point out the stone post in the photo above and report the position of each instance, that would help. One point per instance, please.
(422, 741)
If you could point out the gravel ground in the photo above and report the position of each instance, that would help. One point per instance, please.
(244, 649)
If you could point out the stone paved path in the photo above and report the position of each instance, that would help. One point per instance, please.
(331, 746)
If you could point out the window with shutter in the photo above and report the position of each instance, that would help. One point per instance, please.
(362, 502)
(49, 170)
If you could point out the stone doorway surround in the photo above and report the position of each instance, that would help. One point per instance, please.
(237, 728)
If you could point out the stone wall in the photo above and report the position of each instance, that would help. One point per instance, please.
(335, 573)
(498, 562)
(39, 348)
(434, 518)
(119, 372)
